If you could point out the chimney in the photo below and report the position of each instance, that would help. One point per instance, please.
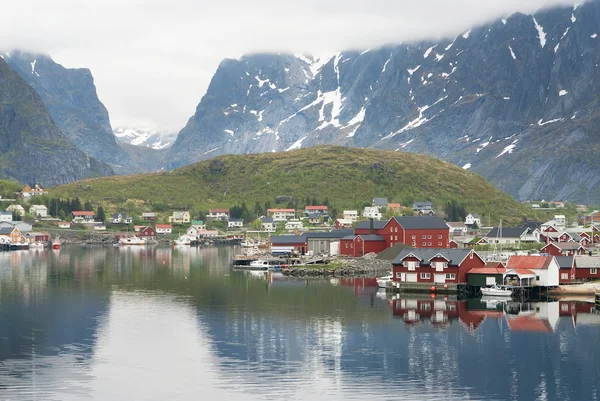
(371, 227)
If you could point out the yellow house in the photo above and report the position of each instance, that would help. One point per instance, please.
(12, 234)
(180, 218)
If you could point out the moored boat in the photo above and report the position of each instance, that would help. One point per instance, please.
(56, 243)
(496, 291)
(183, 240)
(382, 282)
(36, 245)
(132, 240)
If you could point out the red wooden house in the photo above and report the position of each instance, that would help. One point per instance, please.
(342, 223)
(564, 249)
(435, 266)
(566, 265)
(361, 244)
(146, 232)
(587, 268)
(453, 244)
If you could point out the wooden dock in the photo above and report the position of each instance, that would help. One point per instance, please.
(597, 300)
(448, 288)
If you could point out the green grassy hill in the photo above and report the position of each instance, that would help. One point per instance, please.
(346, 177)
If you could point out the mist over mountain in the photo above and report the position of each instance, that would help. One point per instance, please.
(514, 100)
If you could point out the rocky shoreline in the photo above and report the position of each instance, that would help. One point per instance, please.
(343, 267)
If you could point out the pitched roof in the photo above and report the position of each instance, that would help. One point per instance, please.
(266, 220)
(164, 226)
(528, 323)
(380, 202)
(475, 215)
(529, 262)
(422, 222)
(320, 207)
(6, 230)
(5, 213)
(587, 262)
(456, 224)
(565, 262)
(288, 239)
(454, 256)
(506, 232)
(83, 213)
(329, 234)
(366, 224)
(371, 237)
(422, 204)
(566, 246)
(487, 270)
(281, 210)
(575, 236)
(232, 220)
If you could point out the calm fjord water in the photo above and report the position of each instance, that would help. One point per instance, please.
(178, 324)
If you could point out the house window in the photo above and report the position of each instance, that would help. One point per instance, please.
(564, 276)
(346, 246)
(395, 238)
(398, 275)
(439, 244)
(424, 237)
(564, 307)
(425, 276)
(537, 278)
(391, 229)
(424, 243)
(391, 237)
(593, 271)
(450, 307)
(429, 237)
(439, 237)
(414, 237)
(450, 276)
(412, 266)
(425, 307)
(429, 244)
(351, 245)
(414, 243)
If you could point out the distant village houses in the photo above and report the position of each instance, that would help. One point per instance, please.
(180, 218)
(38, 211)
(28, 192)
(218, 215)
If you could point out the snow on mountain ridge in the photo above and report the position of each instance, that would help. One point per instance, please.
(143, 137)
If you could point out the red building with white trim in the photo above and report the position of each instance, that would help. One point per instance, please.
(587, 268)
(563, 249)
(435, 266)
(359, 245)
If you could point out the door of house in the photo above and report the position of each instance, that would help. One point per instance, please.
(440, 278)
(490, 280)
(411, 277)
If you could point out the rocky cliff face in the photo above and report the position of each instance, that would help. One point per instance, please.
(515, 101)
(71, 99)
(32, 148)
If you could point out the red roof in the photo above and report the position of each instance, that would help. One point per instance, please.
(528, 323)
(281, 210)
(83, 213)
(487, 270)
(394, 206)
(316, 208)
(164, 226)
(529, 262)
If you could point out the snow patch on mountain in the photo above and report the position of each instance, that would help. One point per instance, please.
(154, 139)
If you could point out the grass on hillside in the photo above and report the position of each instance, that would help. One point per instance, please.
(346, 177)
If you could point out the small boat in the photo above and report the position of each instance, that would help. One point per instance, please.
(132, 241)
(56, 243)
(496, 291)
(382, 282)
(183, 240)
(116, 244)
(36, 245)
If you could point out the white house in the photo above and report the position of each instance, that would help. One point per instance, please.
(268, 224)
(351, 215)
(38, 211)
(281, 214)
(294, 225)
(473, 218)
(458, 229)
(561, 220)
(6, 216)
(235, 223)
(545, 269)
(371, 212)
(164, 229)
(121, 218)
(218, 214)
(18, 209)
(510, 235)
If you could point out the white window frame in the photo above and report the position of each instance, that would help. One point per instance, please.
(425, 276)
(398, 275)
(450, 276)
(594, 271)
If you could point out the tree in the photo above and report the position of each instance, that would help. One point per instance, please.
(474, 226)
(88, 206)
(257, 225)
(100, 214)
(258, 210)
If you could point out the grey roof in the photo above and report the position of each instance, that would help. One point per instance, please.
(564, 262)
(507, 232)
(454, 256)
(5, 213)
(475, 215)
(6, 230)
(288, 239)
(266, 220)
(314, 215)
(575, 236)
(330, 234)
(371, 237)
(422, 222)
(380, 202)
(586, 262)
(115, 215)
(236, 220)
(422, 204)
(566, 245)
(366, 224)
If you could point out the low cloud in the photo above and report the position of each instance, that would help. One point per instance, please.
(153, 60)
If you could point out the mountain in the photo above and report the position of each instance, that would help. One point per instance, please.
(32, 148)
(71, 98)
(154, 139)
(347, 177)
(515, 100)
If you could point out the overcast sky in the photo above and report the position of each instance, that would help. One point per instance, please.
(152, 60)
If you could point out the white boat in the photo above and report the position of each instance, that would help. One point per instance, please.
(260, 264)
(183, 240)
(132, 241)
(496, 291)
(36, 245)
(382, 282)
(252, 244)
